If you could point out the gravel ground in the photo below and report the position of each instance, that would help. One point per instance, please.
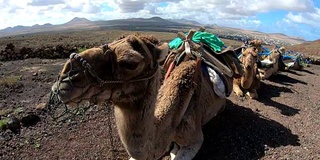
(283, 123)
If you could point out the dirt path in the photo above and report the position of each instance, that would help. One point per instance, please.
(283, 123)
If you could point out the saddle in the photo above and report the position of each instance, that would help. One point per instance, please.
(224, 63)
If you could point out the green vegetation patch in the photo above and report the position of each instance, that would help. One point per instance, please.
(4, 112)
(3, 124)
(9, 80)
(81, 49)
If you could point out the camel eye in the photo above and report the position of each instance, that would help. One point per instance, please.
(128, 65)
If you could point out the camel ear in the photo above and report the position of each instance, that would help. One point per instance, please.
(164, 50)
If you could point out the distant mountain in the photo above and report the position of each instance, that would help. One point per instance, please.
(25, 29)
(311, 48)
(14, 29)
(151, 24)
(185, 21)
(154, 23)
(72, 24)
(78, 20)
(37, 26)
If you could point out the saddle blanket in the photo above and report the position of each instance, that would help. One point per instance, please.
(218, 85)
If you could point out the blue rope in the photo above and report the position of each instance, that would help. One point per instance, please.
(285, 57)
(263, 54)
(265, 49)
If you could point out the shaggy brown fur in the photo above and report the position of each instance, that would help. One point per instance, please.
(148, 117)
(250, 80)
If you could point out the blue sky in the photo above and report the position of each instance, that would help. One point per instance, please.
(298, 18)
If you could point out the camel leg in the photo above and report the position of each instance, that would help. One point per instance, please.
(174, 151)
(262, 76)
(261, 73)
(237, 90)
(190, 151)
(252, 94)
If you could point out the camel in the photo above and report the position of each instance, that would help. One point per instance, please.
(152, 118)
(271, 60)
(295, 65)
(257, 44)
(250, 80)
(291, 60)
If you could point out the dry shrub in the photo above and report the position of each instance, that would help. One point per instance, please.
(9, 80)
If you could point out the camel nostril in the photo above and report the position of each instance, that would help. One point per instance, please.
(248, 67)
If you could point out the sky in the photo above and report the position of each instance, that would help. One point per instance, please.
(299, 18)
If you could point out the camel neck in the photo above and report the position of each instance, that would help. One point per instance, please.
(135, 121)
(247, 79)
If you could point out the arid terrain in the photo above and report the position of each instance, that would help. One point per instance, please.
(283, 123)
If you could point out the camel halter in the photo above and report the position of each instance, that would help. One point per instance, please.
(54, 101)
(106, 49)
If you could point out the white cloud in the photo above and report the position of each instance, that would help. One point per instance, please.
(45, 2)
(126, 6)
(295, 29)
(12, 5)
(130, 6)
(235, 8)
(309, 18)
(81, 6)
(233, 13)
(30, 12)
(205, 11)
(254, 6)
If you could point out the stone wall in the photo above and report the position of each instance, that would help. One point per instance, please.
(11, 53)
(49, 52)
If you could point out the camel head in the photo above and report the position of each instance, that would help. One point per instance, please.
(249, 57)
(95, 74)
(275, 56)
(249, 60)
(273, 59)
(257, 44)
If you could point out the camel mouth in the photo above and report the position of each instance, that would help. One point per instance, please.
(248, 67)
(68, 93)
(63, 94)
(64, 104)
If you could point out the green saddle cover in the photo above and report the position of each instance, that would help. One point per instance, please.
(208, 38)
